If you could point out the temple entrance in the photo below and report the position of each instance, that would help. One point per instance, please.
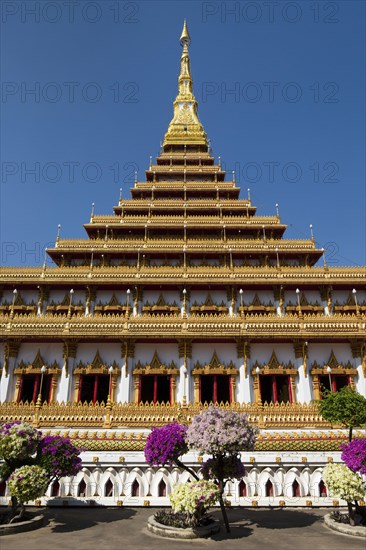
(215, 388)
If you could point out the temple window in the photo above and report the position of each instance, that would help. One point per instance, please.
(93, 381)
(242, 489)
(55, 489)
(162, 489)
(108, 488)
(333, 382)
(274, 382)
(275, 389)
(269, 488)
(296, 488)
(155, 382)
(135, 489)
(322, 489)
(30, 385)
(214, 382)
(155, 388)
(93, 388)
(215, 388)
(36, 378)
(81, 489)
(331, 376)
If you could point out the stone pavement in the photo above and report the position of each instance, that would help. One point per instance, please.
(125, 528)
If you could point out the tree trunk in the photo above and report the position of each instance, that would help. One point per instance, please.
(350, 433)
(351, 513)
(17, 510)
(186, 468)
(222, 506)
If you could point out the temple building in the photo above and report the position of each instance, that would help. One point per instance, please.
(185, 296)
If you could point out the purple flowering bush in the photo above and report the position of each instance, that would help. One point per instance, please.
(59, 457)
(166, 444)
(354, 455)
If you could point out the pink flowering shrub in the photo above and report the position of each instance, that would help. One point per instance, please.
(218, 431)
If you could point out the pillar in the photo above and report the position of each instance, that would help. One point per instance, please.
(7, 385)
(243, 352)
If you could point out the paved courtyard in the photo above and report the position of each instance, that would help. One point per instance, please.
(112, 529)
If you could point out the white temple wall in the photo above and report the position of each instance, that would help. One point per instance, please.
(321, 353)
(262, 353)
(152, 296)
(104, 296)
(341, 296)
(166, 352)
(203, 353)
(265, 296)
(201, 295)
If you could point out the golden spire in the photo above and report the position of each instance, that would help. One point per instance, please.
(185, 126)
(185, 38)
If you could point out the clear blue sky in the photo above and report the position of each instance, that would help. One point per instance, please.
(105, 75)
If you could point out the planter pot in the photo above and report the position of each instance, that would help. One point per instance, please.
(356, 531)
(27, 525)
(179, 533)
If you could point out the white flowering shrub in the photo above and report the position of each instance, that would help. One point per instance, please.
(194, 499)
(18, 441)
(343, 483)
(28, 483)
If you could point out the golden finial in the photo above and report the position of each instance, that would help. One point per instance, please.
(185, 38)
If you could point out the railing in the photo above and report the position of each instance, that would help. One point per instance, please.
(133, 415)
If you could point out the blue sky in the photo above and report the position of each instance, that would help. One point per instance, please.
(280, 87)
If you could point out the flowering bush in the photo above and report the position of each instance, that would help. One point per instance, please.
(219, 431)
(28, 483)
(194, 499)
(166, 444)
(18, 441)
(30, 463)
(343, 483)
(223, 467)
(59, 457)
(354, 455)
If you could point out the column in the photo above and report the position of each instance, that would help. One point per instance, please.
(243, 352)
(326, 297)
(303, 386)
(358, 349)
(125, 393)
(183, 386)
(90, 300)
(7, 385)
(278, 296)
(64, 392)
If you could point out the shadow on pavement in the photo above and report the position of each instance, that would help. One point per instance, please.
(241, 519)
(61, 521)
